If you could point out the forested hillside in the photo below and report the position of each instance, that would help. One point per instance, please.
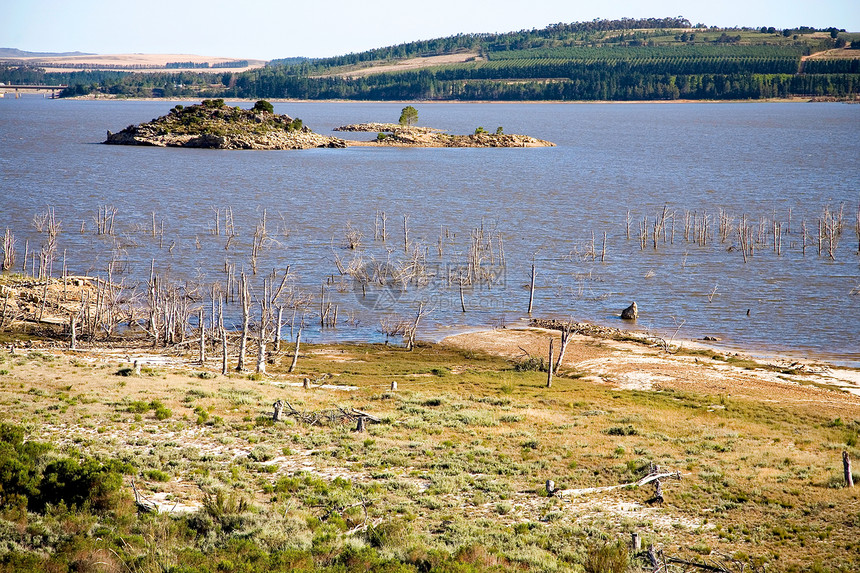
(627, 59)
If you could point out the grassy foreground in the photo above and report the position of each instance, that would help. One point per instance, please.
(451, 479)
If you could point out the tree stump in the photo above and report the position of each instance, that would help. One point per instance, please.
(637, 542)
(359, 427)
(652, 557)
(846, 468)
(550, 487)
(394, 386)
(137, 367)
(658, 492)
(279, 409)
(307, 384)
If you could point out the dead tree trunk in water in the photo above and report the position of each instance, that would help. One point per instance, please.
(278, 329)
(246, 319)
(223, 337)
(532, 289)
(261, 356)
(202, 327)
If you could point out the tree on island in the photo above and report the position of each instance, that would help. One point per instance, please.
(408, 115)
(263, 105)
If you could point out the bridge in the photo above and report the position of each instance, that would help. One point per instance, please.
(18, 89)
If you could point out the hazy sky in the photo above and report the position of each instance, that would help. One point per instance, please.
(315, 28)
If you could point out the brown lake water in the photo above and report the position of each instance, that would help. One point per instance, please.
(775, 162)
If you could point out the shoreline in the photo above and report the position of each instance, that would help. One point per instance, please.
(427, 102)
(637, 365)
(758, 352)
(435, 333)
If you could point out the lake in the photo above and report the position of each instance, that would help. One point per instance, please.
(704, 167)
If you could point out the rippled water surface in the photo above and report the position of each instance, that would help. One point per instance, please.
(768, 162)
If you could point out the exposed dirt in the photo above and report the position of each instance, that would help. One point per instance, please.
(410, 64)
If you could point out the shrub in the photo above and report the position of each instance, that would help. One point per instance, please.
(157, 475)
(606, 558)
(162, 413)
(627, 430)
(25, 480)
(531, 364)
(263, 106)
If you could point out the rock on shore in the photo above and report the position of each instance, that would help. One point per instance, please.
(214, 125)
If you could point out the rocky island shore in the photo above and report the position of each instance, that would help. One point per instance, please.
(397, 135)
(214, 125)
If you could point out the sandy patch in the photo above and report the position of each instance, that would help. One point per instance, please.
(633, 366)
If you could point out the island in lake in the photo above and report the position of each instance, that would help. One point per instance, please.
(214, 125)
(396, 134)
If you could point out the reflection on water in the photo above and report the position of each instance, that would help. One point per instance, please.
(616, 167)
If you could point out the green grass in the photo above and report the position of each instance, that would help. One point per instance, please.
(453, 479)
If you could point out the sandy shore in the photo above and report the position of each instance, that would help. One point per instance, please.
(637, 366)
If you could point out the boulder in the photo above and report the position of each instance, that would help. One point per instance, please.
(631, 312)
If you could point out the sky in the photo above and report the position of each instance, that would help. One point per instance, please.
(267, 29)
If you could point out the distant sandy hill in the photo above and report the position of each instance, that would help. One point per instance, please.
(16, 53)
(76, 61)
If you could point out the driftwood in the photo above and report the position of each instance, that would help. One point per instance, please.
(143, 505)
(660, 563)
(334, 417)
(646, 480)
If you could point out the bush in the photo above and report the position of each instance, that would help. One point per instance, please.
(627, 430)
(25, 479)
(162, 413)
(531, 364)
(606, 558)
(263, 106)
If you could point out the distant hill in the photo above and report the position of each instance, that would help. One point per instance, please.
(601, 60)
(16, 53)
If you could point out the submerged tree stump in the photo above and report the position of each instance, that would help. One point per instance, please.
(631, 312)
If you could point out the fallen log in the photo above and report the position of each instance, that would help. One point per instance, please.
(646, 480)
